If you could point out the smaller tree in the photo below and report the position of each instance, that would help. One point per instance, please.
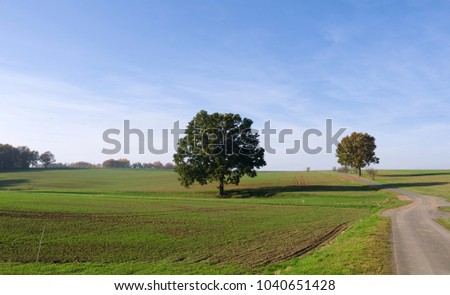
(137, 165)
(123, 163)
(148, 165)
(343, 169)
(169, 166)
(372, 172)
(308, 169)
(357, 151)
(47, 158)
(158, 165)
(110, 163)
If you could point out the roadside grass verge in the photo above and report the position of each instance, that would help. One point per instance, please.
(364, 248)
(445, 209)
(445, 222)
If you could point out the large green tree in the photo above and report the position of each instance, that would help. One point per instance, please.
(218, 147)
(357, 150)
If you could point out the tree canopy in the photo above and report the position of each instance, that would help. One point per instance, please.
(218, 147)
(357, 151)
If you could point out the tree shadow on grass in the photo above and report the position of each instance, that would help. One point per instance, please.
(267, 192)
(12, 182)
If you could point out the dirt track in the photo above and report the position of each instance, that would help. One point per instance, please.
(421, 245)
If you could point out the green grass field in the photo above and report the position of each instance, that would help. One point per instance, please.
(427, 182)
(124, 221)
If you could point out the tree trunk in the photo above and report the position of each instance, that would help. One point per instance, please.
(221, 189)
(359, 171)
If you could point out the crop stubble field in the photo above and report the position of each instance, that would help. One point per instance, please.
(125, 221)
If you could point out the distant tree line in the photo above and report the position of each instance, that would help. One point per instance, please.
(83, 164)
(125, 163)
(111, 163)
(121, 163)
(22, 157)
(80, 164)
(156, 165)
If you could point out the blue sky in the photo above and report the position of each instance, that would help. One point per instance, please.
(70, 70)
